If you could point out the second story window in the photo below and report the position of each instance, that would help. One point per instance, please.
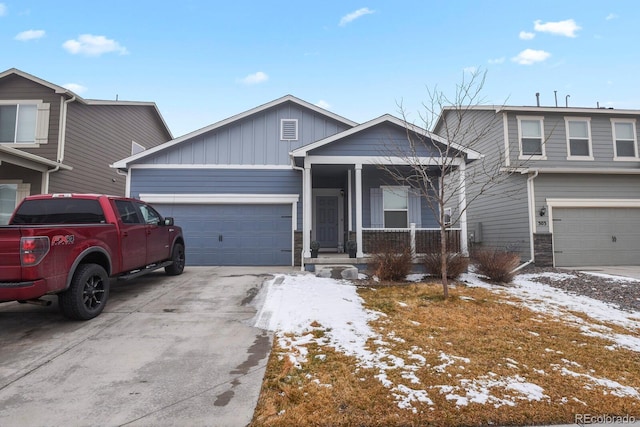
(624, 139)
(530, 133)
(578, 138)
(18, 123)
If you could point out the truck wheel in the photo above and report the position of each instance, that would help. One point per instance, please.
(88, 293)
(178, 259)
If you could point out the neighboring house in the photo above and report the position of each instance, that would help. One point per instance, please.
(573, 197)
(258, 187)
(54, 141)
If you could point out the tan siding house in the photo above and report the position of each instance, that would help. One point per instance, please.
(52, 140)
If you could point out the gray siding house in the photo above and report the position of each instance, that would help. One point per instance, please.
(571, 189)
(54, 141)
(259, 187)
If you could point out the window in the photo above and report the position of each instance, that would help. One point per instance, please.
(18, 123)
(8, 195)
(624, 139)
(289, 130)
(578, 138)
(127, 212)
(395, 206)
(149, 214)
(530, 137)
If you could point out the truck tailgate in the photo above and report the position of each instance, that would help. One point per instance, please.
(10, 253)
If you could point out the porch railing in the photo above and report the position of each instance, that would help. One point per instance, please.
(420, 240)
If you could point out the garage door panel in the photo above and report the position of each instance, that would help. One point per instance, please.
(596, 236)
(234, 234)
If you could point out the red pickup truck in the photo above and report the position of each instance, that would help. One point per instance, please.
(73, 244)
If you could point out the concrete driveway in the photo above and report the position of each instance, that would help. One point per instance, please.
(632, 271)
(166, 351)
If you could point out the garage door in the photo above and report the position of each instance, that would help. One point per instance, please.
(596, 236)
(234, 234)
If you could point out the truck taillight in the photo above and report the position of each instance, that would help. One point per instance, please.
(33, 250)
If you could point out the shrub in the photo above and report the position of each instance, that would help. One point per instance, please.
(456, 264)
(391, 262)
(497, 265)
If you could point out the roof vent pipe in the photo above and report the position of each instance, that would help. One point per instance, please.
(566, 101)
(538, 98)
(555, 94)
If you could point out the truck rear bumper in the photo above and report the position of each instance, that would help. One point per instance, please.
(18, 291)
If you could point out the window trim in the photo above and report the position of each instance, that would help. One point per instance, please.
(617, 158)
(41, 130)
(522, 156)
(384, 210)
(568, 136)
(282, 133)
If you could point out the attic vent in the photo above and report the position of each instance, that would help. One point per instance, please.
(289, 130)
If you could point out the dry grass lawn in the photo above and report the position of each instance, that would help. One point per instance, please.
(465, 354)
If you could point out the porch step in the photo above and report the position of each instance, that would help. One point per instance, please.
(337, 271)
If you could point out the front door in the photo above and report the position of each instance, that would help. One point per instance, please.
(327, 221)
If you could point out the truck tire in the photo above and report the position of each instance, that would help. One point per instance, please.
(178, 259)
(88, 293)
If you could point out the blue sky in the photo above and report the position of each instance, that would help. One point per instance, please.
(203, 61)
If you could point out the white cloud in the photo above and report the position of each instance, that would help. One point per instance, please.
(349, 17)
(74, 87)
(323, 104)
(255, 78)
(525, 35)
(3, 9)
(30, 35)
(566, 28)
(470, 70)
(90, 45)
(496, 60)
(530, 56)
(611, 16)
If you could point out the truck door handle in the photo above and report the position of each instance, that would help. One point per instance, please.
(125, 234)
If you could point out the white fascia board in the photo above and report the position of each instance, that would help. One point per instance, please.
(28, 160)
(122, 164)
(254, 199)
(211, 166)
(379, 160)
(593, 203)
(55, 88)
(547, 109)
(585, 171)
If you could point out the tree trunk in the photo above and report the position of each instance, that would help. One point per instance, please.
(443, 260)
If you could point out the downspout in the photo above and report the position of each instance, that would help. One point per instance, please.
(62, 134)
(532, 216)
(301, 169)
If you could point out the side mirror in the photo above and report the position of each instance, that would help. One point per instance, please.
(168, 221)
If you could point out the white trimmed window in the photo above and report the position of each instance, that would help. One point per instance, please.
(625, 144)
(24, 122)
(578, 138)
(289, 129)
(530, 138)
(395, 203)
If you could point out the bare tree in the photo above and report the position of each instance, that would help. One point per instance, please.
(460, 137)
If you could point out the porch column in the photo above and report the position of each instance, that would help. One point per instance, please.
(462, 206)
(359, 253)
(306, 212)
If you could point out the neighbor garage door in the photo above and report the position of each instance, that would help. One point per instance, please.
(596, 236)
(234, 234)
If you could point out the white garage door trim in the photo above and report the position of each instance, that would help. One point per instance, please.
(587, 203)
(231, 199)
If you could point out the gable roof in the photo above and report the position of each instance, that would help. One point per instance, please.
(386, 118)
(31, 158)
(75, 97)
(124, 163)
